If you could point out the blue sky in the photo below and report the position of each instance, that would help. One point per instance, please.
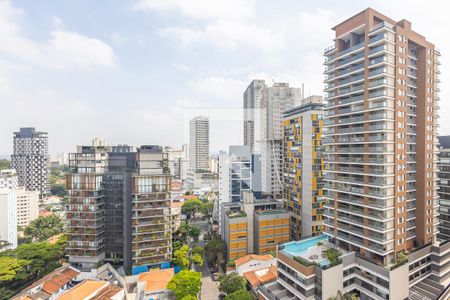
(135, 71)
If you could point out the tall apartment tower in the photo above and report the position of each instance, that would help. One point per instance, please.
(86, 208)
(380, 137)
(119, 206)
(199, 143)
(303, 166)
(444, 188)
(31, 160)
(235, 176)
(8, 208)
(263, 114)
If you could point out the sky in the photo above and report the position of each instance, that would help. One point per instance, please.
(135, 71)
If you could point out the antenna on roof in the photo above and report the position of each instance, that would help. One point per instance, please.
(303, 90)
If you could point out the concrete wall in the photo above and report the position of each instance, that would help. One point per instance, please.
(399, 283)
(332, 281)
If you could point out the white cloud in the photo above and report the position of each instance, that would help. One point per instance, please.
(201, 9)
(228, 35)
(63, 50)
(220, 87)
(181, 67)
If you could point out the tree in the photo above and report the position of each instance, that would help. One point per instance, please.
(186, 231)
(181, 257)
(44, 227)
(242, 294)
(191, 207)
(197, 259)
(5, 164)
(216, 252)
(59, 190)
(231, 283)
(43, 257)
(198, 250)
(10, 266)
(207, 209)
(185, 283)
(190, 297)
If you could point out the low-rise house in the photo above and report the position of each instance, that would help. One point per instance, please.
(253, 262)
(51, 286)
(94, 290)
(150, 285)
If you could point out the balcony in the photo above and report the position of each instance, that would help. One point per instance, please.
(351, 49)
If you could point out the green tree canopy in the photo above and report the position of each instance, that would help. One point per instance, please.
(198, 250)
(197, 259)
(191, 207)
(10, 266)
(207, 208)
(186, 231)
(5, 164)
(44, 227)
(181, 257)
(185, 283)
(231, 283)
(240, 295)
(190, 297)
(58, 190)
(43, 257)
(216, 252)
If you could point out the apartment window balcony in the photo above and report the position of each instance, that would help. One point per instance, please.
(346, 100)
(352, 79)
(382, 25)
(378, 60)
(351, 49)
(378, 49)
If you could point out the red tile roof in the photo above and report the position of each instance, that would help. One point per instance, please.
(249, 257)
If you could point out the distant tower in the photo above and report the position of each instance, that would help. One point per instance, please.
(199, 143)
(31, 160)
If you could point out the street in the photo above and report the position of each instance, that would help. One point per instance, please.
(210, 288)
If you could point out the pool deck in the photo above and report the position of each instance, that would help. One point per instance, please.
(315, 253)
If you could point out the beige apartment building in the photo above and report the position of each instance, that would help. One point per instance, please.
(27, 206)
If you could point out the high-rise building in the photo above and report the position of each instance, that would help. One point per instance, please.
(30, 159)
(444, 187)
(27, 206)
(254, 225)
(199, 143)
(8, 209)
(381, 115)
(380, 216)
(234, 175)
(27, 201)
(263, 113)
(119, 206)
(8, 218)
(178, 161)
(303, 166)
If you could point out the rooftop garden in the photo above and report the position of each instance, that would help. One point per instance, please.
(236, 214)
(402, 259)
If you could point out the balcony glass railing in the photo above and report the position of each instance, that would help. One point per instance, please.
(353, 48)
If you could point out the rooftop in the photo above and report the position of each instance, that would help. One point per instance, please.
(156, 280)
(313, 251)
(262, 276)
(84, 290)
(51, 283)
(249, 257)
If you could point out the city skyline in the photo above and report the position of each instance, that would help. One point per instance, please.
(210, 74)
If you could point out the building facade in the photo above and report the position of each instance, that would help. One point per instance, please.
(199, 143)
(27, 206)
(444, 188)
(235, 175)
(119, 206)
(381, 116)
(263, 113)
(30, 159)
(303, 167)
(253, 226)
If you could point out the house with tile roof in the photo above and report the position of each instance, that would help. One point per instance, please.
(50, 286)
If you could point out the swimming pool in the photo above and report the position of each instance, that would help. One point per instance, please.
(300, 247)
